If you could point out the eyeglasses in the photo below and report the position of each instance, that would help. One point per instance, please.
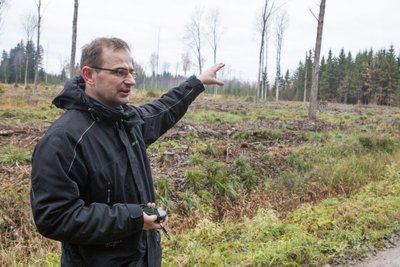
(119, 72)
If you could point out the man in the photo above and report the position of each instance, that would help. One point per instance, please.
(90, 171)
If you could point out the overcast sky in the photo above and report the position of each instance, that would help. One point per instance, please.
(354, 25)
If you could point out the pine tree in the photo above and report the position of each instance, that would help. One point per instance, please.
(4, 67)
(386, 77)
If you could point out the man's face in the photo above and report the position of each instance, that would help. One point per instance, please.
(112, 88)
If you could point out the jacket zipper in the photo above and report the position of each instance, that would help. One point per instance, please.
(108, 193)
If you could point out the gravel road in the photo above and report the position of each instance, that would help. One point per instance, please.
(387, 258)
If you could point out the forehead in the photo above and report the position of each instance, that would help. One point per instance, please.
(116, 57)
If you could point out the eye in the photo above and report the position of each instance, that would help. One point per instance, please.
(121, 72)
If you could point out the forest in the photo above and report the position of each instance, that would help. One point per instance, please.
(368, 77)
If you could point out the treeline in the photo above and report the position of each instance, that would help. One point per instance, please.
(18, 66)
(369, 77)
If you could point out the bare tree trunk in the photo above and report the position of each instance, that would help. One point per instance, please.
(346, 90)
(194, 35)
(281, 25)
(3, 7)
(278, 74)
(5, 72)
(185, 63)
(261, 58)
(74, 36)
(305, 80)
(153, 65)
(214, 36)
(264, 87)
(157, 58)
(26, 72)
(312, 112)
(266, 14)
(29, 26)
(37, 56)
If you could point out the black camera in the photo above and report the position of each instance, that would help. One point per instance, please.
(160, 213)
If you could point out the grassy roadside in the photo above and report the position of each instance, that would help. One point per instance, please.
(313, 234)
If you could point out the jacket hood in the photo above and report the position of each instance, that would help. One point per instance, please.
(73, 96)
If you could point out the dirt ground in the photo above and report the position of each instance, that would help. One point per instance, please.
(390, 257)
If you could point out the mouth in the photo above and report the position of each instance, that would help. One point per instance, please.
(125, 93)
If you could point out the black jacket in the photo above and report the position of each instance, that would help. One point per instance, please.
(90, 173)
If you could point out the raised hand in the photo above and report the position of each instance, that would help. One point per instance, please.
(208, 76)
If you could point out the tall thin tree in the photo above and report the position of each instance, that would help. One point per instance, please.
(29, 25)
(3, 7)
(157, 58)
(37, 56)
(153, 65)
(186, 62)
(74, 36)
(194, 35)
(305, 80)
(214, 34)
(281, 25)
(263, 53)
(312, 111)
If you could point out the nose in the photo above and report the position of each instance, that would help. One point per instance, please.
(130, 80)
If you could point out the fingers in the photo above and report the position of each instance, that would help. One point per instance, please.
(165, 221)
(218, 82)
(151, 205)
(219, 66)
(208, 77)
(149, 222)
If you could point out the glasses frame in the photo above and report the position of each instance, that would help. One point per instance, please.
(119, 72)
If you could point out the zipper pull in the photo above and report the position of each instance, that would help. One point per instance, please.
(108, 193)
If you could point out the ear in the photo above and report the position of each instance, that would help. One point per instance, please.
(87, 74)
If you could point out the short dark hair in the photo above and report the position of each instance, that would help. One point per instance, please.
(92, 52)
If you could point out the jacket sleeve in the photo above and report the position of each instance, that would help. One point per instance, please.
(58, 210)
(163, 113)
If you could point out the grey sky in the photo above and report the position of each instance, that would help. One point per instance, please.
(355, 25)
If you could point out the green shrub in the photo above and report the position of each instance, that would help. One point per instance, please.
(297, 162)
(223, 182)
(163, 186)
(382, 143)
(15, 155)
(211, 149)
(245, 171)
(190, 201)
(196, 178)
(262, 133)
(197, 159)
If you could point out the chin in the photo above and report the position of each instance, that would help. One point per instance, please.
(124, 101)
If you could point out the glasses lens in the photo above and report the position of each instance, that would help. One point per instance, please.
(121, 72)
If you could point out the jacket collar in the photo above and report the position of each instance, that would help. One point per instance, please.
(73, 96)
